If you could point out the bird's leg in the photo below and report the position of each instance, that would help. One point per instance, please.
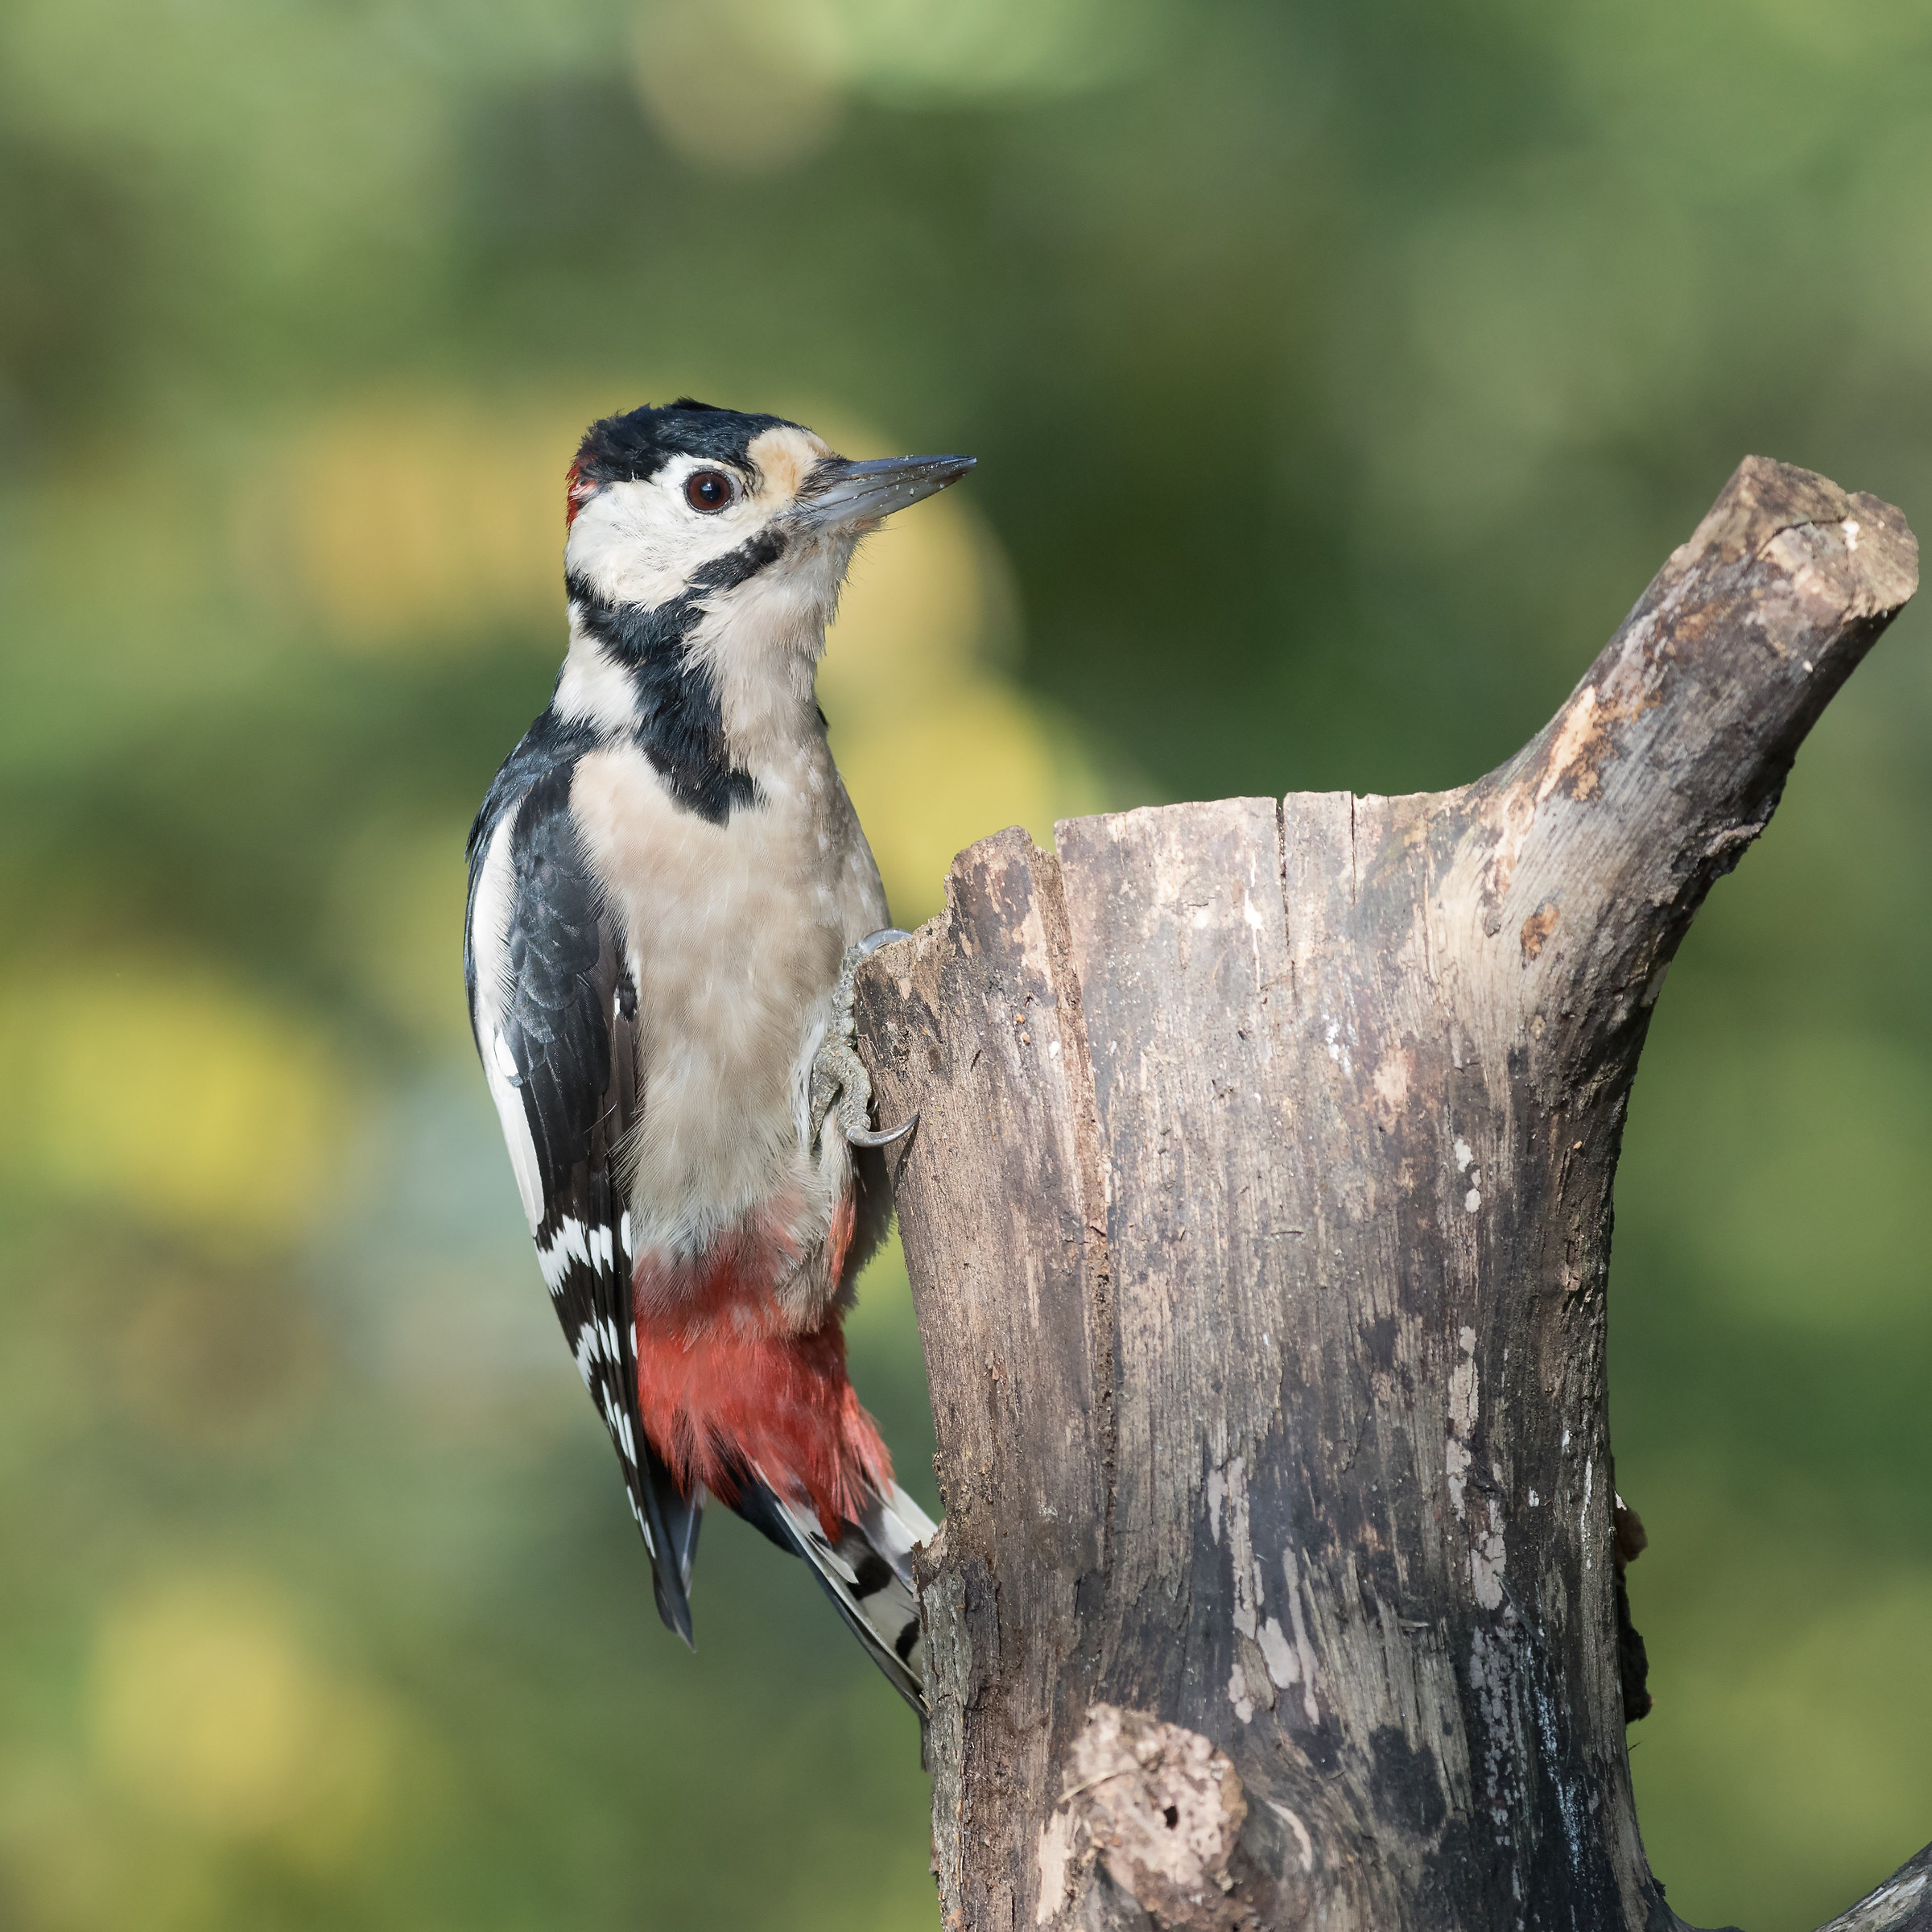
(838, 1078)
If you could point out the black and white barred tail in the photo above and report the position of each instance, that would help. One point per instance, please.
(867, 1573)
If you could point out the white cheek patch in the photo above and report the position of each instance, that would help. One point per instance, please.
(641, 542)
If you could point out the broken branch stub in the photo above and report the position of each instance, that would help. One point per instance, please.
(1258, 1217)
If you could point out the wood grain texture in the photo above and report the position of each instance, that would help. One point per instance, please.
(1258, 1218)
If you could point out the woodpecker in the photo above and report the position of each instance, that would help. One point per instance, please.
(669, 895)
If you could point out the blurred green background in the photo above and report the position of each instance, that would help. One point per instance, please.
(1340, 374)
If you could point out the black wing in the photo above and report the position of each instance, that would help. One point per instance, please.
(562, 1040)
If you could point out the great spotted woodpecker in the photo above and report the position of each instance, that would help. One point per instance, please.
(669, 892)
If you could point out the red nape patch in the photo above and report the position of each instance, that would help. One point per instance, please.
(720, 1382)
(578, 490)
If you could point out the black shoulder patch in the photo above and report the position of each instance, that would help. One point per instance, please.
(552, 744)
(549, 742)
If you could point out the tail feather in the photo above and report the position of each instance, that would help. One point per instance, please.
(867, 1572)
(897, 1527)
(679, 1518)
(669, 1520)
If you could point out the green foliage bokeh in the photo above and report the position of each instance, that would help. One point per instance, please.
(1340, 375)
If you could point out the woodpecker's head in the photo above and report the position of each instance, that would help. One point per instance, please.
(691, 501)
(705, 552)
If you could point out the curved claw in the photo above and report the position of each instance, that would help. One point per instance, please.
(865, 1137)
(872, 941)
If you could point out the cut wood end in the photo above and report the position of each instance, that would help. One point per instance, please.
(973, 871)
(1764, 497)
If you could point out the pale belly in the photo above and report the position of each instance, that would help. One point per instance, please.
(735, 933)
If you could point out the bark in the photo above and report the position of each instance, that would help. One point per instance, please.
(1258, 1218)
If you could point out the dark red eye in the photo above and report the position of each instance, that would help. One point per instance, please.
(708, 490)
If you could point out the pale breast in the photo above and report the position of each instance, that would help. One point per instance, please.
(735, 933)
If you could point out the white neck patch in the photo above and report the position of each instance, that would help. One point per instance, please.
(594, 688)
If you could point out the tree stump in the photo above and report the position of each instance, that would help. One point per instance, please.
(1258, 1220)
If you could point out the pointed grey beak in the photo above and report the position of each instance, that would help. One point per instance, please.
(845, 496)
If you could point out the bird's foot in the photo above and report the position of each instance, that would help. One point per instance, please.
(839, 1083)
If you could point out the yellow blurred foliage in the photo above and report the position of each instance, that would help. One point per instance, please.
(725, 86)
(223, 1362)
(75, 1862)
(936, 750)
(207, 1708)
(920, 601)
(158, 1088)
(928, 784)
(396, 924)
(418, 520)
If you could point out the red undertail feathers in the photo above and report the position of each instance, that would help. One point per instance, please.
(723, 1388)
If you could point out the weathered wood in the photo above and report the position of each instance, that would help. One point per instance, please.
(1258, 1219)
(1902, 1904)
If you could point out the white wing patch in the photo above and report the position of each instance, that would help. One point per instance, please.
(500, 1070)
(570, 1244)
(489, 941)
